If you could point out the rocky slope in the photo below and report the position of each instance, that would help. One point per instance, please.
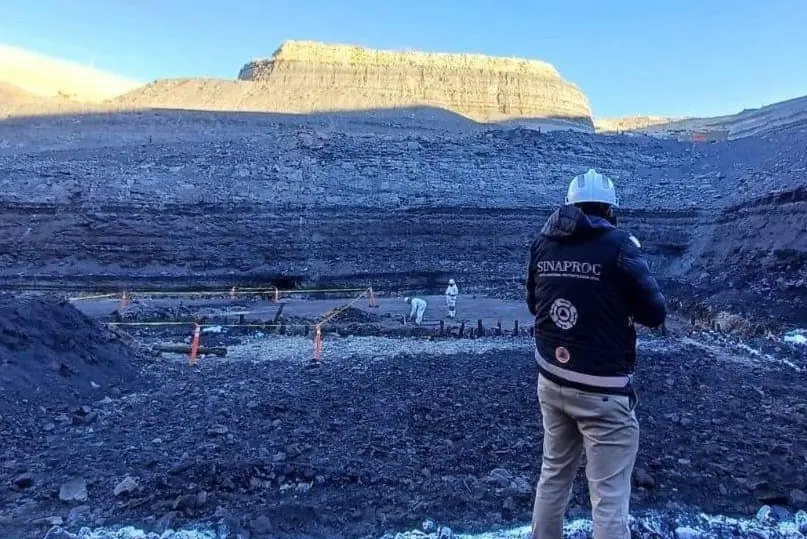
(630, 123)
(45, 76)
(750, 122)
(197, 198)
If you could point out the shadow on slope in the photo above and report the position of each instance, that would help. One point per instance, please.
(151, 122)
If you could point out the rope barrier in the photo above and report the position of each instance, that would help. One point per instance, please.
(229, 292)
(317, 326)
(331, 314)
(97, 296)
(327, 317)
(209, 325)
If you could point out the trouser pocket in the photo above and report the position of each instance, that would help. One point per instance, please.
(633, 400)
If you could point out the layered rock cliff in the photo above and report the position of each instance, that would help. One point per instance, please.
(309, 76)
(223, 199)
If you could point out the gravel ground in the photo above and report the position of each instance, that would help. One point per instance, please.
(388, 433)
(338, 350)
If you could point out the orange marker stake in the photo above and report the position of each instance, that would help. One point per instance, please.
(317, 344)
(197, 335)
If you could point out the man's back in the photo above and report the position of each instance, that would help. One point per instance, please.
(419, 304)
(587, 283)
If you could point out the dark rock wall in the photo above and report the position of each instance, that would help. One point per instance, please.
(398, 211)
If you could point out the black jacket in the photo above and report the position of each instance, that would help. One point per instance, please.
(587, 283)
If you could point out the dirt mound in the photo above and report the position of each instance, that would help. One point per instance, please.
(51, 354)
(146, 311)
(198, 94)
(352, 315)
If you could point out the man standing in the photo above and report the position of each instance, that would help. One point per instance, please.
(418, 308)
(451, 298)
(587, 283)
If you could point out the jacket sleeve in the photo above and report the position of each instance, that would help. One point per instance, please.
(647, 303)
(414, 310)
(532, 301)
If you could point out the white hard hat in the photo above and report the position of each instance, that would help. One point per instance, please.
(451, 281)
(592, 187)
(407, 299)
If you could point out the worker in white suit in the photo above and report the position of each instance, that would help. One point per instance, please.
(418, 309)
(451, 298)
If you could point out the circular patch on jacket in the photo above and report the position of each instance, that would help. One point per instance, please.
(563, 313)
(562, 355)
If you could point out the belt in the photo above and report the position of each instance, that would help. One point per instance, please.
(580, 378)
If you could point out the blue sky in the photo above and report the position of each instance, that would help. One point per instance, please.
(667, 57)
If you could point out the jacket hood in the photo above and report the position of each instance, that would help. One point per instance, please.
(569, 223)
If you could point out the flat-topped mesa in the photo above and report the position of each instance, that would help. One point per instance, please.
(312, 77)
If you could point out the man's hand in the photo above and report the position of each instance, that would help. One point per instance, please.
(646, 300)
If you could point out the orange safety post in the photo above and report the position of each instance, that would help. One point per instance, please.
(197, 334)
(372, 298)
(317, 344)
(124, 300)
